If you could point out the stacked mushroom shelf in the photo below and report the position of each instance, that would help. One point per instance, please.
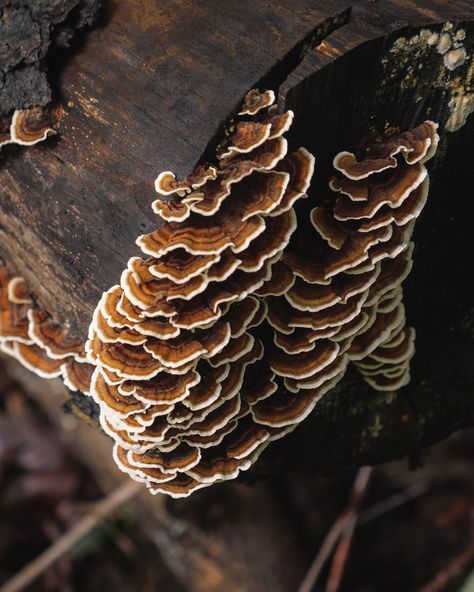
(343, 302)
(173, 344)
(30, 335)
(262, 295)
(232, 329)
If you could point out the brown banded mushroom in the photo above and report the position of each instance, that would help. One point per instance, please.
(38, 342)
(173, 345)
(384, 186)
(35, 359)
(377, 154)
(13, 315)
(53, 337)
(255, 101)
(344, 302)
(18, 291)
(77, 375)
(30, 126)
(228, 331)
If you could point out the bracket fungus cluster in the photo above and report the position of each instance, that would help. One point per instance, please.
(231, 328)
(39, 343)
(344, 302)
(29, 126)
(180, 362)
(246, 308)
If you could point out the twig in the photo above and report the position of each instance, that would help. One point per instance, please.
(337, 529)
(64, 543)
(394, 501)
(344, 527)
(453, 570)
(323, 554)
(341, 555)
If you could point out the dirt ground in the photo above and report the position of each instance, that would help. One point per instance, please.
(411, 529)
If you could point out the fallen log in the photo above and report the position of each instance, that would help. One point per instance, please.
(156, 88)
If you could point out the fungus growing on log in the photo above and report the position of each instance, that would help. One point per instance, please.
(344, 303)
(29, 126)
(179, 357)
(255, 101)
(226, 336)
(177, 344)
(38, 342)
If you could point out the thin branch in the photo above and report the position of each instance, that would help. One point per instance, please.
(394, 501)
(323, 554)
(336, 531)
(63, 544)
(455, 568)
(341, 556)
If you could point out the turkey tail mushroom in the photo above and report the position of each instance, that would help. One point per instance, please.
(39, 343)
(386, 187)
(175, 344)
(188, 384)
(342, 301)
(29, 126)
(243, 311)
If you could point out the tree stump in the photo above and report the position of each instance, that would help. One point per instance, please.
(155, 86)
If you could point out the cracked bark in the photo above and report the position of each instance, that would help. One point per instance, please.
(26, 34)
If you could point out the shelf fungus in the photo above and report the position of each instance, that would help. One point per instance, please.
(30, 335)
(227, 332)
(29, 126)
(247, 305)
(178, 345)
(345, 301)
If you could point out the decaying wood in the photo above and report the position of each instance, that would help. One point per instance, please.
(28, 30)
(146, 93)
(152, 90)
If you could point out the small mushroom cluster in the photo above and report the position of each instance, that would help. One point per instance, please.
(31, 336)
(180, 365)
(343, 299)
(28, 126)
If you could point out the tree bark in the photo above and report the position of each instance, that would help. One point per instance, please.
(153, 88)
(28, 30)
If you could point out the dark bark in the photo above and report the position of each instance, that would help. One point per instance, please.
(373, 87)
(28, 29)
(146, 93)
(152, 91)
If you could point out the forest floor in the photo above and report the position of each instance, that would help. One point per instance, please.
(391, 529)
